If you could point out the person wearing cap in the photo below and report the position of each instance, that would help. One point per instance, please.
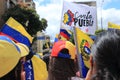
(62, 61)
(11, 59)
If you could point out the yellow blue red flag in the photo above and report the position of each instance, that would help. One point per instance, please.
(16, 31)
(35, 69)
(113, 26)
(84, 45)
(65, 34)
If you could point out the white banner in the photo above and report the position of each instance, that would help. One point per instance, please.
(79, 15)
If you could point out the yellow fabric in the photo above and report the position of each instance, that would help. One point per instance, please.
(39, 68)
(24, 49)
(80, 37)
(10, 54)
(71, 49)
(9, 57)
(17, 26)
(41, 54)
(112, 25)
(47, 45)
(62, 38)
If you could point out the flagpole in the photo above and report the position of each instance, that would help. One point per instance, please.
(77, 51)
(101, 14)
(62, 14)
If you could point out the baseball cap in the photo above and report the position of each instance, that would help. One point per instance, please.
(59, 45)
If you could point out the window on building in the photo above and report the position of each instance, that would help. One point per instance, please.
(29, 4)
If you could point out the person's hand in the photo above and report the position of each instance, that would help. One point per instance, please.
(23, 75)
(78, 74)
(89, 74)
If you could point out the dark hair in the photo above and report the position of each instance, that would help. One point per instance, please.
(61, 68)
(14, 74)
(106, 54)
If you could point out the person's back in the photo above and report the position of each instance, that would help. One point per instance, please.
(61, 69)
(105, 60)
(62, 65)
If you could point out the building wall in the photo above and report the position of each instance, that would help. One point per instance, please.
(4, 5)
(2, 10)
(28, 3)
(41, 40)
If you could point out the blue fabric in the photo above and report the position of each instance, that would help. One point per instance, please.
(84, 68)
(65, 33)
(87, 50)
(5, 38)
(111, 29)
(29, 70)
(16, 35)
(62, 55)
(56, 39)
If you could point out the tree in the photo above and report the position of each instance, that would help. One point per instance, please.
(27, 17)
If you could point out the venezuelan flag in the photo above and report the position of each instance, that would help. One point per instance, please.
(65, 33)
(16, 31)
(36, 69)
(59, 37)
(112, 26)
(84, 45)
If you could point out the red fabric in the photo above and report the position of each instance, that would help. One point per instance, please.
(57, 47)
(64, 35)
(8, 36)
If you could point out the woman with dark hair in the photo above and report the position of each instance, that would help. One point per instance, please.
(105, 57)
(62, 61)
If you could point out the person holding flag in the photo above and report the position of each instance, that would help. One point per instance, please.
(62, 64)
(83, 46)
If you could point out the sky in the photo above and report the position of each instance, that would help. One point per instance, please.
(51, 10)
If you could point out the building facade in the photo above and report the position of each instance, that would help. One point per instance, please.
(28, 3)
(42, 38)
(2, 10)
(6, 4)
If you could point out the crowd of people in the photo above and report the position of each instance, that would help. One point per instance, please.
(63, 64)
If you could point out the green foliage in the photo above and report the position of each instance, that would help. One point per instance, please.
(27, 17)
(99, 31)
(72, 38)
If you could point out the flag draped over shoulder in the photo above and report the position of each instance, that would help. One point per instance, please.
(113, 26)
(36, 69)
(84, 45)
(39, 68)
(16, 31)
